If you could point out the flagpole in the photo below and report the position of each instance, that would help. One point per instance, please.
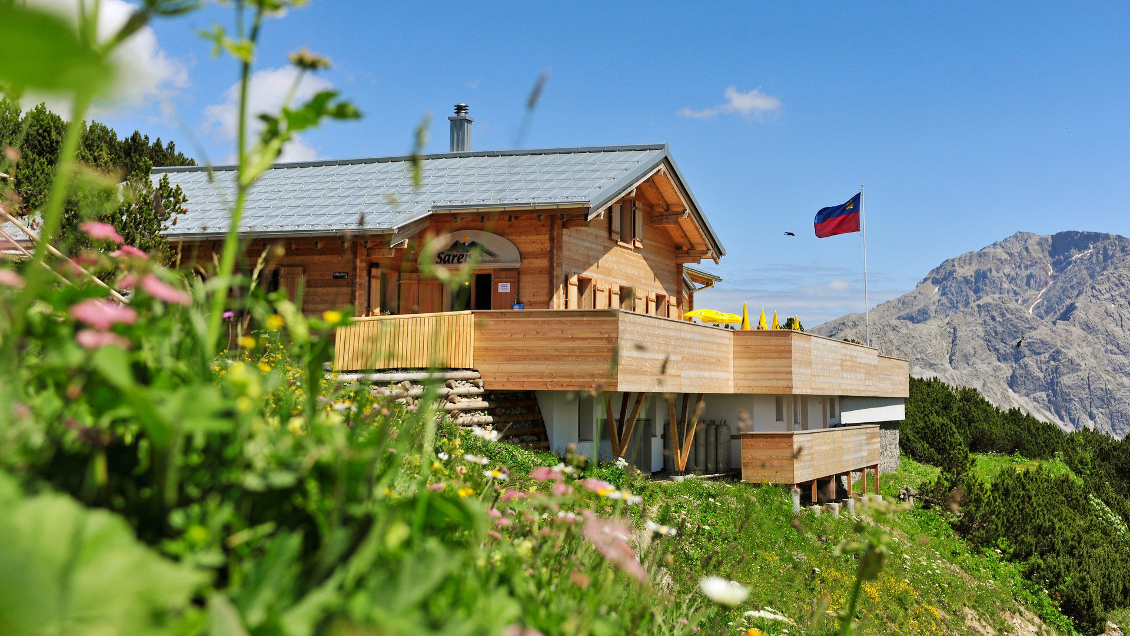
(863, 234)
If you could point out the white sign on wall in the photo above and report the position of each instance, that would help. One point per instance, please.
(503, 288)
(458, 248)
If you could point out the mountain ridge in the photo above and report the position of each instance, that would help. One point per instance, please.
(1064, 297)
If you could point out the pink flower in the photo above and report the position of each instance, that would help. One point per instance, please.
(597, 485)
(503, 523)
(102, 314)
(494, 513)
(228, 314)
(101, 232)
(510, 493)
(560, 490)
(11, 279)
(161, 290)
(494, 534)
(610, 538)
(128, 250)
(544, 473)
(435, 487)
(91, 339)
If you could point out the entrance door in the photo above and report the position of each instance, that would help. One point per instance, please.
(482, 293)
(505, 289)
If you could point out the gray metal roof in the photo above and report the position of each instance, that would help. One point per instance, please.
(377, 195)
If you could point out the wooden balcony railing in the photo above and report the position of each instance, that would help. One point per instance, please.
(414, 341)
(802, 456)
(577, 350)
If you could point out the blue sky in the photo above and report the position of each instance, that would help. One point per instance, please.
(967, 121)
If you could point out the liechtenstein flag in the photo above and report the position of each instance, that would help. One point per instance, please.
(839, 219)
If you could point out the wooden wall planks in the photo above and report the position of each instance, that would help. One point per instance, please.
(570, 350)
(790, 458)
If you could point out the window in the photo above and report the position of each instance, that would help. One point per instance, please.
(585, 419)
(586, 292)
(660, 308)
(796, 409)
(780, 408)
(627, 299)
(832, 414)
(626, 223)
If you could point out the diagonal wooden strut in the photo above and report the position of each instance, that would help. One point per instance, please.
(630, 426)
(683, 429)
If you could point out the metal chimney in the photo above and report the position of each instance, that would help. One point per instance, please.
(460, 129)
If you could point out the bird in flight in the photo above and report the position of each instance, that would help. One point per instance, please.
(1019, 342)
(789, 234)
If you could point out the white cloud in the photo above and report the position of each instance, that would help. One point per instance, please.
(145, 72)
(750, 104)
(266, 93)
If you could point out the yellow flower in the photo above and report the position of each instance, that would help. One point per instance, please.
(247, 342)
(466, 492)
(275, 322)
(332, 317)
(264, 367)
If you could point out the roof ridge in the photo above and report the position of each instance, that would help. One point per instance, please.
(439, 155)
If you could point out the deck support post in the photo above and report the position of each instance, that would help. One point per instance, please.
(815, 499)
(877, 479)
(863, 478)
(682, 447)
(849, 484)
(630, 425)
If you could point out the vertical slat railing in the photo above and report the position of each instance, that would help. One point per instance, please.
(416, 341)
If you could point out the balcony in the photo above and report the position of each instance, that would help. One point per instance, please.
(614, 350)
(806, 456)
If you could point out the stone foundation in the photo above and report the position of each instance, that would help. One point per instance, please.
(888, 446)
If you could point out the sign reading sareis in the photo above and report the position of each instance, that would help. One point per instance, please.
(488, 250)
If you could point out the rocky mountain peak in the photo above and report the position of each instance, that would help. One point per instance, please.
(1066, 297)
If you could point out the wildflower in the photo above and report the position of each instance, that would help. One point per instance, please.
(722, 591)
(91, 339)
(578, 579)
(247, 342)
(610, 538)
(465, 492)
(488, 434)
(161, 290)
(264, 367)
(11, 279)
(307, 61)
(102, 314)
(562, 490)
(624, 495)
(275, 322)
(598, 486)
(442, 456)
(565, 469)
(128, 251)
(494, 534)
(435, 487)
(568, 517)
(768, 613)
(228, 315)
(101, 232)
(476, 459)
(662, 530)
(621, 463)
(542, 473)
(496, 475)
(331, 316)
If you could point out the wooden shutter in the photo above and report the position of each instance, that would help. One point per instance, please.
(614, 215)
(601, 295)
(637, 216)
(572, 296)
(614, 296)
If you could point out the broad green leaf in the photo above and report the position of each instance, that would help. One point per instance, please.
(65, 569)
(42, 51)
(113, 364)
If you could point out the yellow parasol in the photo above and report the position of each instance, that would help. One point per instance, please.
(796, 322)
(711, 316)
(761, 323)
(776, 325)
(745, 318)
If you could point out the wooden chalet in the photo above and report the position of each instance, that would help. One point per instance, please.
(579, 264)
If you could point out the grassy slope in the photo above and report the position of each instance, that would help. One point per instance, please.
(932, 582)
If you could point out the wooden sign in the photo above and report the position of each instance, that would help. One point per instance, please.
(341, 275)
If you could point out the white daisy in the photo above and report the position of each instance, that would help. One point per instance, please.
(722, 591)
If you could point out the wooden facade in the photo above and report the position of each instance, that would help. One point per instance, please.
(805, 456)
(618, 350)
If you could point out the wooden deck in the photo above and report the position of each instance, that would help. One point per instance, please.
(618, 350)
(803, 456)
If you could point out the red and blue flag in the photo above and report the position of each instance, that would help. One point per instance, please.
(839, 219)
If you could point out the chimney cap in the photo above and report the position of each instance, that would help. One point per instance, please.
(460, 109)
